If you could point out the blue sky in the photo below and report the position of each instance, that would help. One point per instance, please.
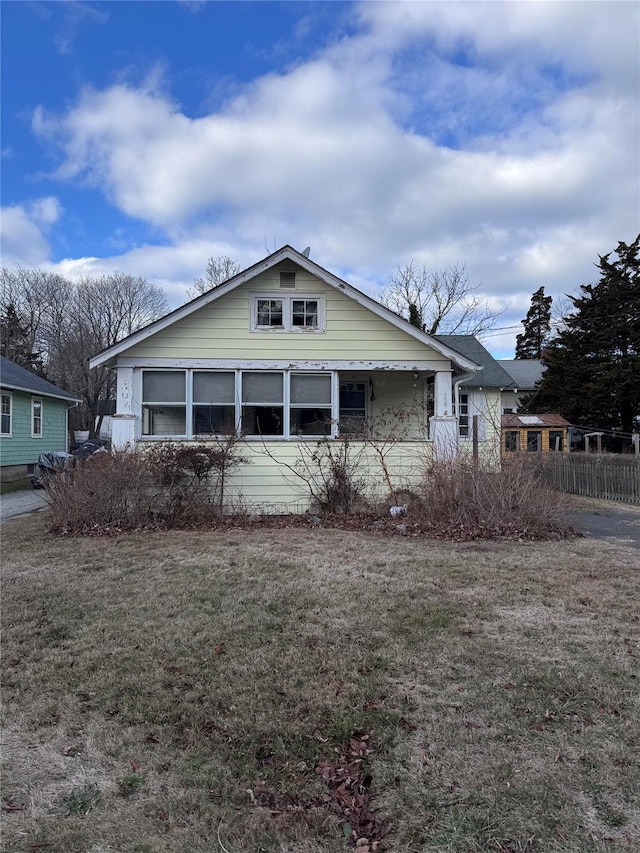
(149, 136)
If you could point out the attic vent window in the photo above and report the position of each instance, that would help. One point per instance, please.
(288, 280)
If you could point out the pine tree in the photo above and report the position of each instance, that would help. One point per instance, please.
(593, 365)
(15, 342)
(537, 326)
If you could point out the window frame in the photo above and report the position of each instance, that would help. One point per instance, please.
(9, 414)
(239, 404)
(287, 300)
(37, 433)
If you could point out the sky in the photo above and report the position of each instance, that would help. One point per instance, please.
(149, 136)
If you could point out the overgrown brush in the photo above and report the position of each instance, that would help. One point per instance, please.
(171, 485)
(513, 500)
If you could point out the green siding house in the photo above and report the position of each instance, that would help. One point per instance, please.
(33, 419)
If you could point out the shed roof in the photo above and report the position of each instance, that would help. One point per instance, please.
(13, 377)
(547, 419)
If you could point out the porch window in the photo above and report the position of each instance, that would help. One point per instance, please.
(5, 417)
(310, 404)
(36, 417)
(214, 409)
(263, 403)
(353, 407)
(164, 409)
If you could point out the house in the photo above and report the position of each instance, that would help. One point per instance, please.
(525, 374)
(285, 353)
(34, 419)
(542, 433)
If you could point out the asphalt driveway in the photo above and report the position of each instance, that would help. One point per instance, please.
(22, 502)
(607, 520)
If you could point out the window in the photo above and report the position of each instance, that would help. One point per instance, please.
(36, 417)
(5, 417)
(214, 397)
(164, 410)
(353, 407)
(556, 440)
(310, 404)
(534, 440)
(287, 313)
(512, 441)
(262, 403)
(463, 414)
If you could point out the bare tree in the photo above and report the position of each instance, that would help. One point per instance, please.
(219, 269)
(442, 301)
(68, 322)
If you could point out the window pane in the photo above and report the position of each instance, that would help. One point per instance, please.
(262, 387)
(269, 312)
(164, 420)
(218, 420)
(5, 426)
(305, 313)
(163, 386)
(511, 440)
(36, 424)
(310, 421)
(352, 395)
(556, 436)
(6, 404)
(214, 387)
(311, 389)
(263, 420)
(534, 440)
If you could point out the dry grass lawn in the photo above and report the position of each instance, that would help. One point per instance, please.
(173, 692)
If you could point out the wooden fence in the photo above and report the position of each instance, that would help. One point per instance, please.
(601, 475)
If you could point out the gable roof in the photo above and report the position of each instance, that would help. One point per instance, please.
(525, 372)
(13, 377)
(491, 375)
(285, 253)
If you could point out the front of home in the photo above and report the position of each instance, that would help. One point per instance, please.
(34, 419)
(287, 355)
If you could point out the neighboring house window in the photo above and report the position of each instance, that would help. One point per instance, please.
(5, 418)
(353, 407)
(463, 415)
(507, 411)
(556, 440)
(36, 417)
(164, 410)
(287, 313)
(512, 441)
(534, 440)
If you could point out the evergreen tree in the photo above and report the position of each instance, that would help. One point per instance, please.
(593, 365)
(16, 343)
(537, 326)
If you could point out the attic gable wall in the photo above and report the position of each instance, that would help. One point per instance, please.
(221, 330)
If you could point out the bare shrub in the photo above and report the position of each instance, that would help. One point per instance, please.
(514, 500)
(330, 471)
(171, 485)
(107, 490)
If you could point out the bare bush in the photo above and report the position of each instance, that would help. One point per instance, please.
(512, 501)
(172, 485)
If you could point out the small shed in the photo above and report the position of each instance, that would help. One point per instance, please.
(541, 433)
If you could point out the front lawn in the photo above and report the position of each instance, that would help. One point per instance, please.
(299, 689)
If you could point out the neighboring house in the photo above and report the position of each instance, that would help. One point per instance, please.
(285, 353)
(525, 374)
(537, 433)
(34, 419)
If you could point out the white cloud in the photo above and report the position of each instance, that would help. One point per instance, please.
(23, 231)
(501, 135)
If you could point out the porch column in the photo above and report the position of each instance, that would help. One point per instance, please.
(443, 426)
(123, 422)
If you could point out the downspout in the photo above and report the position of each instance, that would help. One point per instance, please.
(456, 388)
